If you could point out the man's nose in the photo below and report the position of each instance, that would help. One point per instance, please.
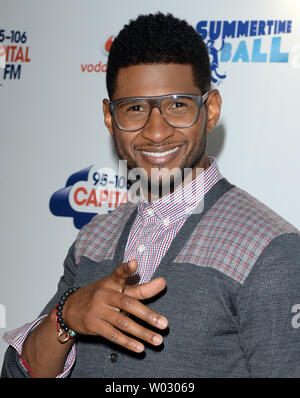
(157, 129)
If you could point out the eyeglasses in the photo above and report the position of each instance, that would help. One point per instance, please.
(178, 110)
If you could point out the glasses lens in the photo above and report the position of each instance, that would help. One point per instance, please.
(179, 111)
(132, 114)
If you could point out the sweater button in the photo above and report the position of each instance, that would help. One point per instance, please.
(113, 356)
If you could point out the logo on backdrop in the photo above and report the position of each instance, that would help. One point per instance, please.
(243, 41)
(100, 65)
(250, 41)
(89, 192)
(14, 52)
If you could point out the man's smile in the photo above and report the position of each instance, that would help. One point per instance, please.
(159, 156)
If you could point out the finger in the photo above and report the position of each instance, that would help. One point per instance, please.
(147, 290)
(123, 322)
(116, 336)
(122, 271)
(139, 310)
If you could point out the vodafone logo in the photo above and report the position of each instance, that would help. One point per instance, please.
(101, 65)
(107, 44)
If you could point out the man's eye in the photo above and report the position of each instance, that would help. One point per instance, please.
(178, 105)
(135, 108)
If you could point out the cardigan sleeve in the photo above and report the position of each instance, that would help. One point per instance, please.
(269, 310)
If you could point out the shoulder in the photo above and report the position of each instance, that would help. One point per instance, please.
(234, 233)
(251, 215)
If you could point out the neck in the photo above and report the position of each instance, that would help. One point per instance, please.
(185, 176)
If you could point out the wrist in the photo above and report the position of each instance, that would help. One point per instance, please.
(52, 317)
(64, 331)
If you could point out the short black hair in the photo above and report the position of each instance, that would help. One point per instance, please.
(158, 38)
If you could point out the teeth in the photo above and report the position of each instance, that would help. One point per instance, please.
(161, 154)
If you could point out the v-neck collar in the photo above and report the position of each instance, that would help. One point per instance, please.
(215, 193)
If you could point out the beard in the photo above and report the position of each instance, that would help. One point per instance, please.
(164, 181)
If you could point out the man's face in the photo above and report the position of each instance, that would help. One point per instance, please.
(159, 145)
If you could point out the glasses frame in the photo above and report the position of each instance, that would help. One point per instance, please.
(156, 101)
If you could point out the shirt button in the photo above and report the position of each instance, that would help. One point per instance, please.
(141, 248)
(150, 212)
(166, 222)
(113, 356)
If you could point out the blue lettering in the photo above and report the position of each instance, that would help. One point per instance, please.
(241, 52)
(289, 27)
(257, 56)
(242, 29)
(270, 24)
(201, 29)
(253, 28)
(13, 73)
(281, 26)
(261, 28)
(214, 33)
(276, 55)
(226, 52)
(228, 29)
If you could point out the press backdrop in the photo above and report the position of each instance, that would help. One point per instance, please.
(55, 148)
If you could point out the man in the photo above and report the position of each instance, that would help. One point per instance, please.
(200, 281)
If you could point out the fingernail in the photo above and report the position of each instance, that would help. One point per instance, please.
(139, 348)
(162, 323)
(157, 340)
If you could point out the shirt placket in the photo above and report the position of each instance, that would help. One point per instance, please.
(145, 251)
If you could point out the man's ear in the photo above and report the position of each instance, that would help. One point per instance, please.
(213, 109)
(107, 117)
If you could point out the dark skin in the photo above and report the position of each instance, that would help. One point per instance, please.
(158, 135)
(101, 308)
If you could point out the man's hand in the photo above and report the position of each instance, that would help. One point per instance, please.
(100, 309)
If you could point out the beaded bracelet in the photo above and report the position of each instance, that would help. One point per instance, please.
(64, 328)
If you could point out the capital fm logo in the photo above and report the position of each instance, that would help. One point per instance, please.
(239, 41)
(14, 53)
(91, 191)
(101, 64)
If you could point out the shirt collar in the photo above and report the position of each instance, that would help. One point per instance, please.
(183, 200)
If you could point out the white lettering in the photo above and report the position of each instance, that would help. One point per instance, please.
(295, 323)
(124, 388)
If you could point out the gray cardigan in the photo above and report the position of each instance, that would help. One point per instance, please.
(233, 278)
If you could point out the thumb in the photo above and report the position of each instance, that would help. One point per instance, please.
(147, 290)
(122, 271)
